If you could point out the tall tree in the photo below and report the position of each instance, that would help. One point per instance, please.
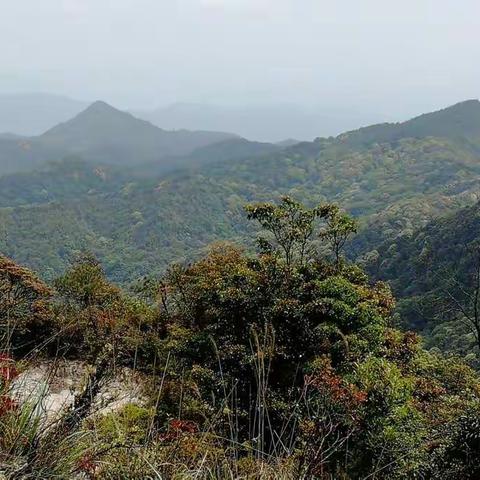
(339, 226)
(292, 227)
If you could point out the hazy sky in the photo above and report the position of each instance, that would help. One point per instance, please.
(393, 56)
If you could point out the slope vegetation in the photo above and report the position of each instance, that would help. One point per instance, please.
(393, 188)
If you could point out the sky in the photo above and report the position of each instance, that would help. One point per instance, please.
(396, 57)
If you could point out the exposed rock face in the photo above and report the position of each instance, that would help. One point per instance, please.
(52, 385)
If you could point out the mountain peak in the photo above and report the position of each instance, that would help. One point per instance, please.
(103, 134)
(473, 102)
(464, 107)
(99, 118)
(100, 106)
(461, 119)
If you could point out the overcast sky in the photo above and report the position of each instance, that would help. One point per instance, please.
(393, 56)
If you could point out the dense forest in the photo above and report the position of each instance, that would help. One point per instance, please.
(434, 272)
(296, 311)
(227, 392)
(137, 220)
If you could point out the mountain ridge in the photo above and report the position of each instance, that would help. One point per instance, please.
(103, 134)
(159, 217)
(446, 122)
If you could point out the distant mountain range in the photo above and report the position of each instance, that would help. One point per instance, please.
(138, 218)
(104, 135)
(263, 123)
(33, 114)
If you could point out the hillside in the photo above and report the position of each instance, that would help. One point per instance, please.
(59, 181)
(393, 188)
(104, 135)
(22, 154)
(230, 150)
(432, 270)
(460, 122)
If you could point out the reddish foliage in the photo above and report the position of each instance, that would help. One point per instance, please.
(427, 391)
(177, 428)
(183, 426)
(341, 418)
(87, 464)
(335, 388)
(106, 319)
(401, 348)
(8, 370)
(16, 274)
(7, 405)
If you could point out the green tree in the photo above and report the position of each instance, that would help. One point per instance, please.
(339, 226)
(255, 323)
(96, 318)
(290, 224)
(292, 228)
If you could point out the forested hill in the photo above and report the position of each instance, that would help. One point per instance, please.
(61, 181)
(460, 122)
(137, 222)
(434, 272)
(103, 134)
(441, 245)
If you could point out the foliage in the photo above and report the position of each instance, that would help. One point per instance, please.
(258, 366)
(24, 305)
(293, 226)
(434, 271)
